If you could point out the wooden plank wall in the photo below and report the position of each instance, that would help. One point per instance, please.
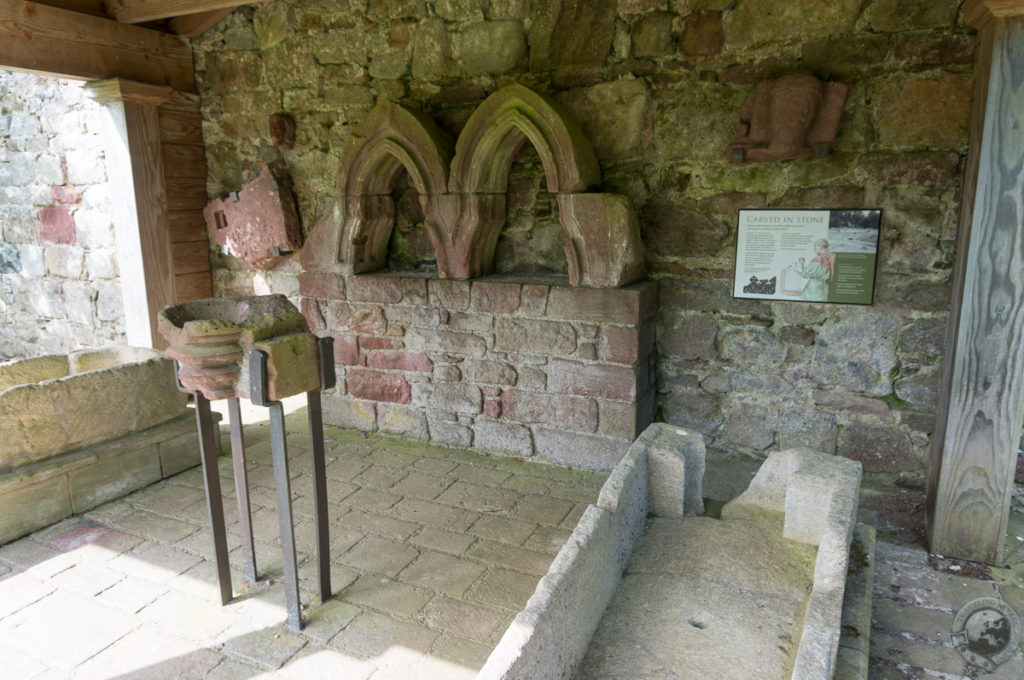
(184, 164)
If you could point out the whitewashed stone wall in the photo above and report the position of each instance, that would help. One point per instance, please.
(59, 286)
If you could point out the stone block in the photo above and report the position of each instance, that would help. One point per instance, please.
(573, 413)
(757, 21)
(625, 490)
(571, 33)
(491, 46)
(26, 508)
(605, 249)
(494, 297)
(592, 452)
(687, 335)
(341, 317)
(449, 342)
(319, 285)
(378, 386)
(877, 448)
(494, 435)
(57, 225)
(492, 408)
(449, 294)
(114, 477)
(406, 421)
(489, 372)
(471, 322)
(375, 289)
(399, 360)
(613, 115)
(626, 344)
(672, 231)
(629, 305)
(180, 453)
(455, 397)
(534, 336)
(807, 499)
(344, 411)
(593, 380)
(346, 350)
(10, 259)
(626, 420)
(923, 112)
(447, 432)
(702, 35)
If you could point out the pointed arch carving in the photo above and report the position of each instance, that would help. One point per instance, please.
(351, 237)
(500, 126)
(464, 209)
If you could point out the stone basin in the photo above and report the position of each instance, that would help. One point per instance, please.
(646, 589)
(211, 340)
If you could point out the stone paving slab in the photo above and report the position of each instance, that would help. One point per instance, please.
(433, 552)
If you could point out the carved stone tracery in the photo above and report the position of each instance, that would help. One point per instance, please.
(464, 210)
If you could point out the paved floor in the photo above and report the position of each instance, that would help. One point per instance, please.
(434, 550)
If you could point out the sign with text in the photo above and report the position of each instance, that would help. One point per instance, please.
(807, 255)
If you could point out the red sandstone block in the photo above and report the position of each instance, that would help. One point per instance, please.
(449, 293)
(626, 420)
(490, 390)
(375, 289)
(532, 336)
(574, 413)
(311, 310)
(330, 286)
(400, 360)
(341, 316)
(495, 297)
(626, 344)
(369, 342)
(492, 408)
(414, 291)
(377, 386)
(58, 226)
(593, 380)
(533, 300)
(346, 351)
(630, 305)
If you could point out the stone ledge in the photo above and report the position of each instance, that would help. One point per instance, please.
(39, 494)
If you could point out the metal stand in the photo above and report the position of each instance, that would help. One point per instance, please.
(282, 482)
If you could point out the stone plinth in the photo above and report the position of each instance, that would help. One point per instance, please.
(511, 365)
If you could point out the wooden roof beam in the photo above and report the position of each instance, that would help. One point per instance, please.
(43, 39)
(138, 11)
(191, 25)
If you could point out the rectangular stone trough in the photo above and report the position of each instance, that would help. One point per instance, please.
(81, 429)
(646, 588)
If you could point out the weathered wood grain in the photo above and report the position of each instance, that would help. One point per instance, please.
(185, 193)
(192, 25)
(180, 127)
(193, 286)
(184, 160)
(972, 469)
(137, 11)
(187, 225)
(44, 39)
(190, 257)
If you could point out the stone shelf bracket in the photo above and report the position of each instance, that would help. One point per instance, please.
(463, 194)
(261, 348)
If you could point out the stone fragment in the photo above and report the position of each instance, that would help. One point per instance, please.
(752, 346)
(749, 425)
(815, 429)
(432, 51)
(260, 223)
(399, 360)
(66, 195)
(757, 21)
(856, 353)
(505, 437)
(675, 464)
(594, 380)
(926, 336)
(571, 33)
(671, 231)
(534, 336)
(592, 452)
(282, 130)
(879, 449)
(491, 47)
(652, 35)
(891, 16)
(489, 372)
(377, 386)
(58, 225)
(455, 397)
(928, 112)
(687, 335)
(573, 413)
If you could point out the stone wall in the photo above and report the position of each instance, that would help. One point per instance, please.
(59, 286)
(656, 85)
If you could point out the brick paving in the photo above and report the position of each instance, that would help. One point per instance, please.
(433, 550)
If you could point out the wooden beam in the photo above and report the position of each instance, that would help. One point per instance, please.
(97, 8)
(192, 25)
(56, 41)
(137, 11)
(978, 13)
(980, 417)
(139, 207)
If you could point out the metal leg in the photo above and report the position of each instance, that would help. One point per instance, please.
(282, 486)
(316, 448)
(214, 503)
(242, 488)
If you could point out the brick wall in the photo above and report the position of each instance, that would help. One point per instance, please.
(501, 364)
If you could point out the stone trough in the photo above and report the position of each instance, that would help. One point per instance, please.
(646, 588)
(81, 429)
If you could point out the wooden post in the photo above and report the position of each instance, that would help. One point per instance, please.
(139, 202)
(982, 406)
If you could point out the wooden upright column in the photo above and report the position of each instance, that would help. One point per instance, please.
(982, 406)
(139, 202)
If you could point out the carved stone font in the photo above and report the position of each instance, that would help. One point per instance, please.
(259, 223)
(795, 116)
(210, 339)
(463, 192)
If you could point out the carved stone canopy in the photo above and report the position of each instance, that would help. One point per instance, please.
(463, 193)
(795, 116)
